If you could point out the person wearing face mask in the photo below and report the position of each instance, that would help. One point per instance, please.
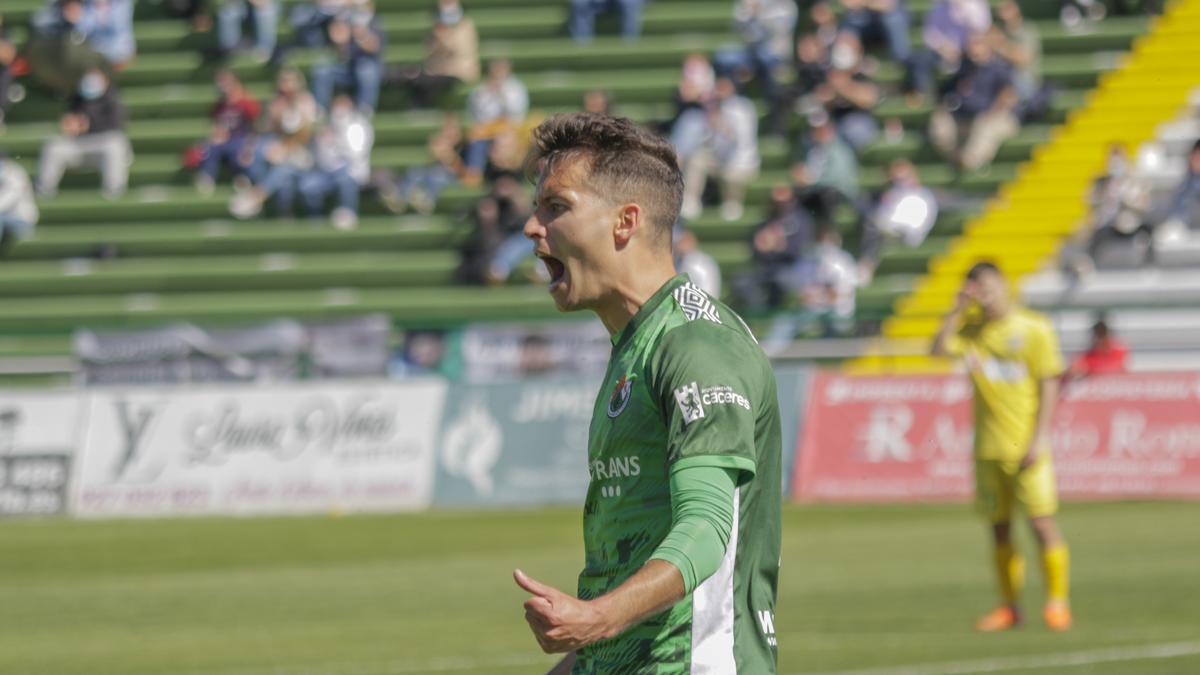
(342, 163)
(849, 93)
(284, 153)
(905, 211)
(767, 30)
(18, 210)
(91, 132)
(451, 57)
(978, 109)
(728, 149)
(776, 249)
(232, 130)
(354, 60)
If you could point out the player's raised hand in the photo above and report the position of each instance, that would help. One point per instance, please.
(560, 622)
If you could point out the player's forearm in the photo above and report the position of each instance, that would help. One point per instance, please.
(657, 586)
(1047, 400)
(949, 324)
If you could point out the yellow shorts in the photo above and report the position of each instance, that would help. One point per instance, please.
(1001, 483)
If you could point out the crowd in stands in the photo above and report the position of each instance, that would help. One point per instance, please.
(813, 65)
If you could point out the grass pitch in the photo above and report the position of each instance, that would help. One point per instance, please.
(863, 590)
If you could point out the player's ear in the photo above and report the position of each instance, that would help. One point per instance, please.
(629, 219)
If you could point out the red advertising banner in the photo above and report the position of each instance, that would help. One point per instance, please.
(908, 438)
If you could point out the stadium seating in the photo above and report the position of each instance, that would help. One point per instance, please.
(178, 254)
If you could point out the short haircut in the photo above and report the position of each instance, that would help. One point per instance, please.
(982, 266)
(624, 163)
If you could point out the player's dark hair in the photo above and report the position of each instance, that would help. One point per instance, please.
(625, 163)
(980, 267)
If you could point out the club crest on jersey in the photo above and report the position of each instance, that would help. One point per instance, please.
(620, 395)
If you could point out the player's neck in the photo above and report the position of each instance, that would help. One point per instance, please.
(628, 296)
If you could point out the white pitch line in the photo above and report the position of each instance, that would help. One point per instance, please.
(1167, 650)
(445, 664)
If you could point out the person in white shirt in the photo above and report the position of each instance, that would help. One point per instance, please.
(729, 150)
(343, 163)
(498, 104)
(700, 267)
(18, 210)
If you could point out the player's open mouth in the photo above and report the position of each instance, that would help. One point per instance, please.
(554, 268)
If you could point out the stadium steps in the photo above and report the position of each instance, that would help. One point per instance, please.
(161, 227)
(1028, 219)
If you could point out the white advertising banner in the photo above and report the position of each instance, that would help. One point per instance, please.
(39, 435)
(252, 450)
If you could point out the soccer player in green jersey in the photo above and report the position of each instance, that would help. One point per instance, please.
(681, 518)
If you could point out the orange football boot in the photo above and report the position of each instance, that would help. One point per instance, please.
(1001, 618)
(1057, 615)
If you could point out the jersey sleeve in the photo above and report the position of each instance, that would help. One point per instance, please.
(1045, 359)
(707, 381)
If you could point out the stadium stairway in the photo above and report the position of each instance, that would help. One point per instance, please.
(179, 255)
(1024, 224)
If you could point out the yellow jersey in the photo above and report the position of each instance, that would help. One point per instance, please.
(1007, 359)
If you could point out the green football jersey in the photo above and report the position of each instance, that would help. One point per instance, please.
(687, 384)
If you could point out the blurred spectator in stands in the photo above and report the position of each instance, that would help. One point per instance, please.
(728, 149)
(849, 93)
(342, 163)
(977, 112)
(197, 12)
(504, 173)
(108, 25)
(825, 174)
(948, 28)
(451, 57)
(824, 22)
(697, 82)
(905, 211)
(283, 154)
(500, 103)
(800, 95)
(691, 260)
(880, 21)
(1105, 355)
(58, 50)
(92, 131)
(310, 23)
(776, 250)
(1075, 12)
(421, 186)
(767, 31)
(233, 119)
(598, 101)
(582, 20)
(1117, 231)
(827, 281)
(8, 55)
(355, 62)
(1019, 43)
(424, 353)
(491, 252)
(231, 16)
(18, 210)
(828, 295)
(1183, 207)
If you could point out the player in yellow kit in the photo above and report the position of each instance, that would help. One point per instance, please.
(1011, 354)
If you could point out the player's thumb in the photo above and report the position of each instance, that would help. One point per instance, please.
(528, 583)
